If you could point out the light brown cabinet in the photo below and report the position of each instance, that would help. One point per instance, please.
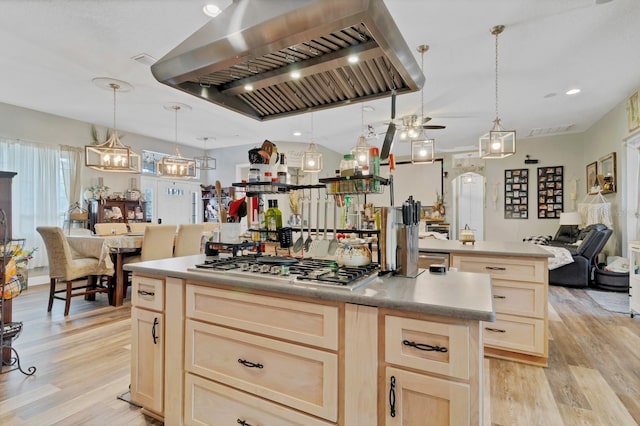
(245, 357)
(147, 344)
(520, 289)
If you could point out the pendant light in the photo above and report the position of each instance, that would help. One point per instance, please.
(422, 147)
(176, 166)
(361, 150)
(205, 162)
(112, 155)
(312, 159)
(497, 143)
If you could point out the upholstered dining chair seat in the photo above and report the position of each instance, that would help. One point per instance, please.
(63, 267)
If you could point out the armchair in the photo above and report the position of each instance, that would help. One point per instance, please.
(578, 274)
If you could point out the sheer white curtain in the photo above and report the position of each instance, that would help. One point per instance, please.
(38, 195)
(72, 166)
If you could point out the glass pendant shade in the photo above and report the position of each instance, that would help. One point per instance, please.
(423, 150)
(176, 166)
(312, 160)
(497, 143)
(361, 152)
(112, 155)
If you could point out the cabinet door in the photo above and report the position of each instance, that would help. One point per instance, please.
(147, 363)
(414, 399)
(634, 278)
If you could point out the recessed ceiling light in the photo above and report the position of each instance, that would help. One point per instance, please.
(573, 91)
(295, 74)
(215, 7)
(352, 59)
(297, 133)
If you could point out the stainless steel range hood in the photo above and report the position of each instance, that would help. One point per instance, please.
(260, 42)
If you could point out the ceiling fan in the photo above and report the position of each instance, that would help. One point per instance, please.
(409, 126)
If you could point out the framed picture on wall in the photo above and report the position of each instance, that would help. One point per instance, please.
(516, 194)
(633, 112)
(550, 192)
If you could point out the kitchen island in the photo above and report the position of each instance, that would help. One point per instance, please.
(224, 348)
(520, 280)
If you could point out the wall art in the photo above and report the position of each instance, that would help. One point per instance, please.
(550, 192)
(516, 194)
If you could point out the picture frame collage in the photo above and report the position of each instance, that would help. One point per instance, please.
(516, 194)
(550, 192)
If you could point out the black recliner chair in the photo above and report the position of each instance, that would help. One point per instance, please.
(579, 273)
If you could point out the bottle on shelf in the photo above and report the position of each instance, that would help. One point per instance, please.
(282, 170)
(374, 168)
(273, 219)
(348, 167)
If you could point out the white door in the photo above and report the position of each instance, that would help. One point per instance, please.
(469, 201)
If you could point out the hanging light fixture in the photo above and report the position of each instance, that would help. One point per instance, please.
(112, 155)
(205, 162)
(176, 166)
(361, 150)
(498, 143)
(422, 147)
(312, 159)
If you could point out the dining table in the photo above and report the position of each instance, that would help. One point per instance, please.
(107, 248)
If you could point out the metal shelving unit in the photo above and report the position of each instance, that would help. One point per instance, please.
(9, 330)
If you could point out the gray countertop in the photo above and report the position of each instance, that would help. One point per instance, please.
(454, 294)
(494, 248)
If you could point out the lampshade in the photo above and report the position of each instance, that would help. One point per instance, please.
(497, 143)
(176, 166)
(423, 150)
(112, 155)
(570, 218)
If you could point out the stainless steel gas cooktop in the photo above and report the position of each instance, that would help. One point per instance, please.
(288, 270)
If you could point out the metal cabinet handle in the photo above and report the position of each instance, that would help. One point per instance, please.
(425, 347)
(392, 397)
(249, 363)
(153, 331)
(495, 268)
(495, 330)
(146, 293)
(497, 296)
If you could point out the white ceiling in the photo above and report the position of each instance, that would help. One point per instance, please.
(51, 50)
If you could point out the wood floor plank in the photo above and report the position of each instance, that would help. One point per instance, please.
(83, 363)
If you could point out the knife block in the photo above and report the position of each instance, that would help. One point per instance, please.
(407, 250)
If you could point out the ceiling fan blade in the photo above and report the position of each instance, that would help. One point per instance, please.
(434, 127)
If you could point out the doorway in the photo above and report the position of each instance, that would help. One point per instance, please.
(468, 204)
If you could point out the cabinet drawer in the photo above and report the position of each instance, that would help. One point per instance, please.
(518, 298)
(300, 377)
(148, 293)
(515, 333)
(401, 332)
(506, 268)
(300, 322)
(210, 403)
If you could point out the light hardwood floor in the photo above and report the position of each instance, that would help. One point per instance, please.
(83, 360)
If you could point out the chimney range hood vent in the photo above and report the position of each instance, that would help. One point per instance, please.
(258, 43)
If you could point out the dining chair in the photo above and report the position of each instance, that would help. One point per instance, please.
(63, 267)
(137, 227)
(157, 244)
(113, 228)
(189, 240)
